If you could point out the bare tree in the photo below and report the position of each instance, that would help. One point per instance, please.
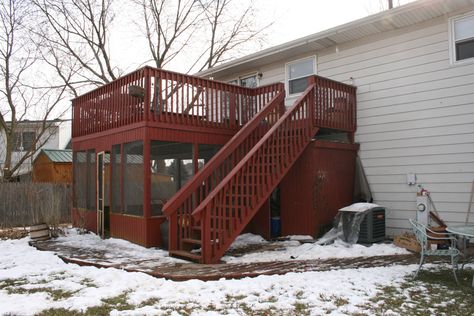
(19, 98)
(75, 37)
(210, 31)
(230, 25)
(169, 26)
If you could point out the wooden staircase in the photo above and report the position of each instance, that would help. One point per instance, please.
(213, 208)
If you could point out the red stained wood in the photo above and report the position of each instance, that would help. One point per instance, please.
(132, 228)
(260, 223)
(168, 97)
(261, 143)
(85, 219)
(320, 183)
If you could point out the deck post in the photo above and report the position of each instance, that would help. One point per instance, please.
(206, 239)
(147, 183)
(232, 109)
(146, 105)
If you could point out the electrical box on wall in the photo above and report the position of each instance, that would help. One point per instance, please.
(411, 178)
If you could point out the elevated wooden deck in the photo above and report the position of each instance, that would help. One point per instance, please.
(166, 99)
(260, 139)
(159, 98)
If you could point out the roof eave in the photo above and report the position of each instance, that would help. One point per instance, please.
(304, 41)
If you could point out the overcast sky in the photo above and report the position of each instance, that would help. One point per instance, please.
(291, 19)
(298, 18)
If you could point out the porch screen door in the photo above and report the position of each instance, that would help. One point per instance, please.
(100, 194)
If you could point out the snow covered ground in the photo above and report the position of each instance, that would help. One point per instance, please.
(306, 251)
(32, 281)
(118, 251)
(114, 251)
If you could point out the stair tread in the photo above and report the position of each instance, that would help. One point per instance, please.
(191, 241)
(185, 254)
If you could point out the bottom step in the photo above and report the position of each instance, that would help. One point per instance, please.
(185, 255)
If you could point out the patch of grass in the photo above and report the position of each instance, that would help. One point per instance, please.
(299, 295)
(211, 308)
(55, 294)
(301, 308)
(236, 297)
(324, 298)
(272, 299)
(434, 292)
(118, 302)
(59, 312)
(88, 282)
(245, 308)
(8, 283)
(149, 302)
(340, 301)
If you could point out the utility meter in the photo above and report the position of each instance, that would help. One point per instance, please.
(422, 209)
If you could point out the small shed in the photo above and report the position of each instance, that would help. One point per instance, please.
(53, 166)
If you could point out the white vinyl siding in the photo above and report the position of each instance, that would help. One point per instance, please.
(415, 115)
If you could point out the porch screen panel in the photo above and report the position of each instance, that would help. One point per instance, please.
(171, 167)
(91, 180)
(80, 179)
(107, 180)
(116, 179)
(205, 153)
(133, 178)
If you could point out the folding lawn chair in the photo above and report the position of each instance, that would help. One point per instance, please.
(421, 233)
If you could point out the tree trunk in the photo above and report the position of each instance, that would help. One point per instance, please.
(7, 174)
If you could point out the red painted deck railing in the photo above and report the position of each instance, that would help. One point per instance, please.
(156, 95)
(335, 105)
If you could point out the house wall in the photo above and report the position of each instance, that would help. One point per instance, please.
(56, 138)
(415, 115)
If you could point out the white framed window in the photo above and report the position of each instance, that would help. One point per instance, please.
(298, 73)
(248, 81)
(24, 141)
(462, 38)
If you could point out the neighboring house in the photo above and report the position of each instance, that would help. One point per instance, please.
(57, 136)
(413, 67)
(53, 166)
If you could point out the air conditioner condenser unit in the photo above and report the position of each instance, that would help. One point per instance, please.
(372, 228)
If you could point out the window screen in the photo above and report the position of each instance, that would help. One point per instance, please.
(171, 167)
(298, 73)
(80, 179)
(91, 184)
(133, 178)
(249, 82)
(464, 38)
(24, 141)
(116, 179)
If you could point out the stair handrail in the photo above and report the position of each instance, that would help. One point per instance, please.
(203, 205)
(191, 186)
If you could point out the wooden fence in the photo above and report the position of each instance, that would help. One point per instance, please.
(25, 204)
